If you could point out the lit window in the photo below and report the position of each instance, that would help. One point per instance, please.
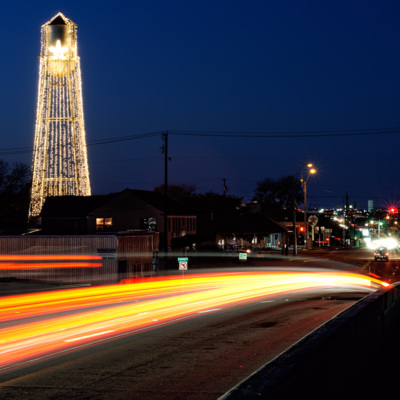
(103, 224)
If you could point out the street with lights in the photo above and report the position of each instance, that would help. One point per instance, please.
(191, 336)
(208, 246)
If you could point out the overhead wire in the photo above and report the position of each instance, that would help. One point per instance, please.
(22, 150)
(227, 134)
(289, 134)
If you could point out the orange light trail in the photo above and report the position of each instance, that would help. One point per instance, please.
(26, 264)
(7, 266)
(43, 324)
(42, 257)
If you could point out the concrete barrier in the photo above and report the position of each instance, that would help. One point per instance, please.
(335, 361)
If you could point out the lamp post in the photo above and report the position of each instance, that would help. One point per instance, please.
(310, 172)
(308, 165)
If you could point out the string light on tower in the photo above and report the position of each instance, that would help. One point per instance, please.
(59, 165)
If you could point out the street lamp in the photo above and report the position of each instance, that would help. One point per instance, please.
(310, 172)
(309, 166)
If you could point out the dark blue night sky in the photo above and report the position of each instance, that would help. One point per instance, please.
(318, 80)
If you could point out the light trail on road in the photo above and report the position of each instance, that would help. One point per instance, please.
(39, 325)
(9, 262)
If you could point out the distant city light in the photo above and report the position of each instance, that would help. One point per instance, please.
(389, 243)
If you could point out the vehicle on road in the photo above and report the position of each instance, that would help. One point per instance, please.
(381, 254)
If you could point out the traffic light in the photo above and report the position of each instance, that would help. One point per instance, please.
(301, 229)
(393, 210)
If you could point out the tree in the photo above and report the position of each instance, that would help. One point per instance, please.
(179, 193)
(15, 186)
(276, 196)
(17, 179)
(202, 202)
(215, 202)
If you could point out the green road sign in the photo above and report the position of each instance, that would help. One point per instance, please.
(183, 263)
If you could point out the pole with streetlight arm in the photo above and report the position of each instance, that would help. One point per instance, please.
(310, 172)
(309, 165)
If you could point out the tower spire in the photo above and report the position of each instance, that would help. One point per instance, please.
(59, 165)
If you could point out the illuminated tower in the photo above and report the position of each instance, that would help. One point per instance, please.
(60, 166)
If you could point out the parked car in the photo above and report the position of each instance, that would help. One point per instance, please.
(381, 253)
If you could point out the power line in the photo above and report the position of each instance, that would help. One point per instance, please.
(22, 150)
(124, 138)
(15, 150)
(226, 134)
(289, 134)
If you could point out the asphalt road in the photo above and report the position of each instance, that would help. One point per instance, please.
(361, 259)
(198, 358)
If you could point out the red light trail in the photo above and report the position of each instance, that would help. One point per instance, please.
(42, 257)
(51, 261)
(10, 266)
(38, 325)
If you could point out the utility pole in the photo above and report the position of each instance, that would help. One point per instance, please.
(225, 188)
(294, 206)
(165, 151)
(345, 210)
(305, 214)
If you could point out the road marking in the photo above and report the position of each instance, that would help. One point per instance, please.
(367, 264)
(88, 336)
(206, 311)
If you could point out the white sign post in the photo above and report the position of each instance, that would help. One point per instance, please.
(243, 256)
(183, 263)
(312, 220)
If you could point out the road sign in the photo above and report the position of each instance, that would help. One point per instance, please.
(243, 256)
(183, 263)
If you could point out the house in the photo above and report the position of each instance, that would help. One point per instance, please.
(140, 210)
(242, 230)
(116, 212)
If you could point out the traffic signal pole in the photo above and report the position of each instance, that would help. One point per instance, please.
(294, 217)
